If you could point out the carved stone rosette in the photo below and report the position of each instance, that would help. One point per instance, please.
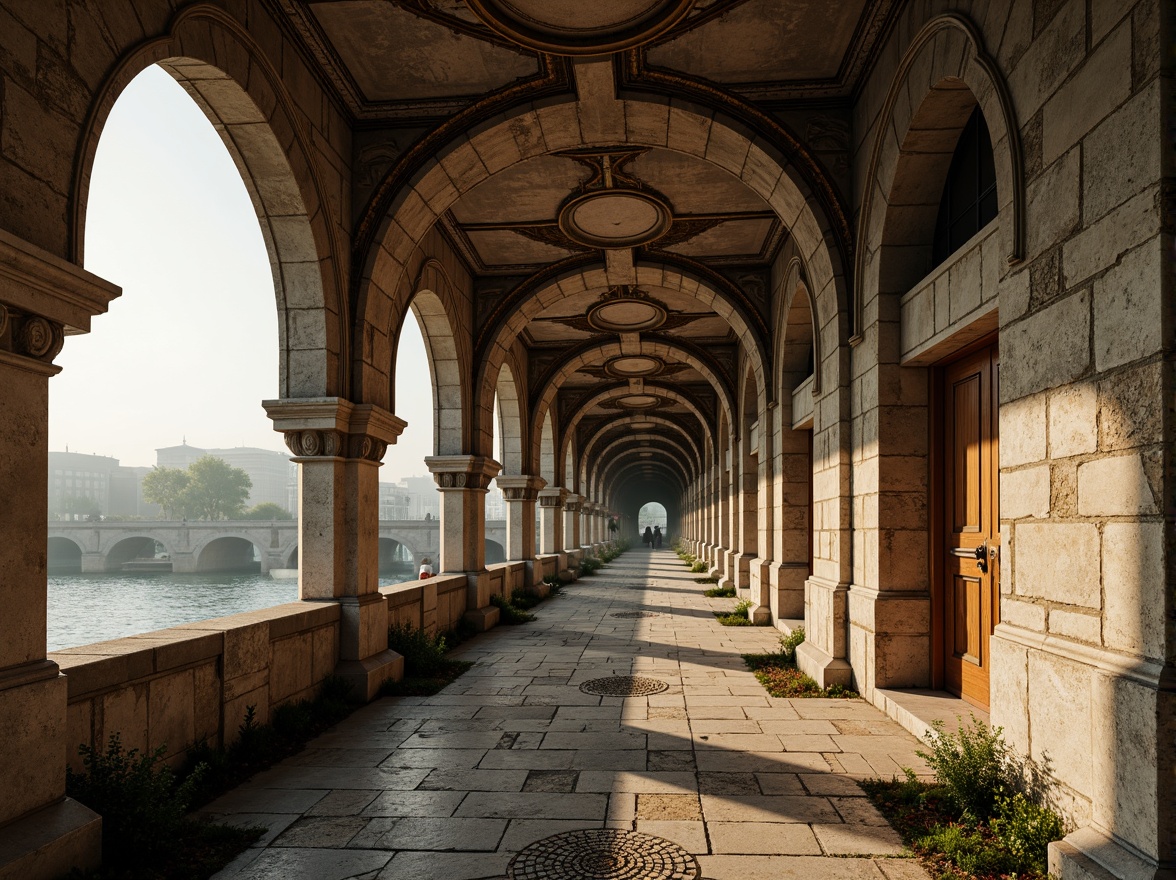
(30, 335)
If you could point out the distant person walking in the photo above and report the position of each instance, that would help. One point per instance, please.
(657, 537)
(647, 538)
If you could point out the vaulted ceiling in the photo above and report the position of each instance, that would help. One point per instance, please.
(630, 360)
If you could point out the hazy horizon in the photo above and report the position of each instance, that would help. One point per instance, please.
(191, 347)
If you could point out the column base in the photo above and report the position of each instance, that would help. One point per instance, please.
(51, 842)
(1088, 854)
(482, 619)
(365, 676)
(824, 669)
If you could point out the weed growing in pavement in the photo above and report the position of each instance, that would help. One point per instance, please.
(510, 614)
(719, 592)
(980, 818)
(737, 616)
(777, 672)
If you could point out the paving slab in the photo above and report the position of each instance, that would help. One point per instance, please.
(454, 785)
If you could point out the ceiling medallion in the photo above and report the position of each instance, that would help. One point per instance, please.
(572, 27)
(639, 401)
(627, 309)
(643, 426)
(634, 367)
(615, 218)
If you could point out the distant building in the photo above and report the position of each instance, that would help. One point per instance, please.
(411, 498)
(274, 478)
(82, 484)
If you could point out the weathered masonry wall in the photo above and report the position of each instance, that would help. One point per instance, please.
(193, 683)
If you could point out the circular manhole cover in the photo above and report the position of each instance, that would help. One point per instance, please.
(632, 615)
(603, 854)
(624, 686)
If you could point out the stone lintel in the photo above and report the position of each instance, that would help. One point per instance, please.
(39, 283)
(520, 488)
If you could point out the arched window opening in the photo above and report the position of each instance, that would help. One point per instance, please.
(184, 356)
(652, 515)
(969, 194)
(408, 492)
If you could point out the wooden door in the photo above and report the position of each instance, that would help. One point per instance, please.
(971, 522)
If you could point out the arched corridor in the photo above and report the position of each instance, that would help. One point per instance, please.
(874, 300)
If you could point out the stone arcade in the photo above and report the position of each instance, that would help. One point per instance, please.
(874, 297)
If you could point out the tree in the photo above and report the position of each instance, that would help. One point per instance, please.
(216, 490)
(267, 510)
(165, 487)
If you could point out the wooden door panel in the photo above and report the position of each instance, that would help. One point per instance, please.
(970, 521)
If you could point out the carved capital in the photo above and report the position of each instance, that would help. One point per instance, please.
(520, 488)
(315, 443)
(572, 502)
(464, 472)
(30, 335)
(552, 498)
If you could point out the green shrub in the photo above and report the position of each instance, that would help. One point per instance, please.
(790, 642)
(973, 765)
(719, 592)
(699, 566)
(520, 598)
(589, 565)
(423, 654)
(737, 616)
(1025, 830)
(141, 805)
(510, 615)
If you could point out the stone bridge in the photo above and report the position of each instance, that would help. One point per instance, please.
(232, 545)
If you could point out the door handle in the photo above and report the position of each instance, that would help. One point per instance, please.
(982, 557)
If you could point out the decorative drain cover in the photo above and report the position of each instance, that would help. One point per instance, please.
(624, 686)
(630, 615)
(603, 854)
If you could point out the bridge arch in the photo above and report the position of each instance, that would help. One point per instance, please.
(64, 556)
(395, 555)
(130, 547)
(229, 552)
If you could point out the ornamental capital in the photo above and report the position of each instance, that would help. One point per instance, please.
(572, 502)
(520, 488)
(331, 427)
(553, 497)
(465, 472)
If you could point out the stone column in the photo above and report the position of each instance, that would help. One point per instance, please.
(463, 480)
(551, 502)
(337, 446)
(572, 530)
(521, 493)
(42, 832)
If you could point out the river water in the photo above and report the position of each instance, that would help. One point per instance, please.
(87, 608)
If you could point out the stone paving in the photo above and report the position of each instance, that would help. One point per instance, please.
(456, 785)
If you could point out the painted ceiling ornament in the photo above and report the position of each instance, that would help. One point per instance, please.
(627, 308)
(634, 366)
(613, 209)
(572, 27)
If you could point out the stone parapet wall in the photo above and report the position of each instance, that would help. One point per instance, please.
(194, 683)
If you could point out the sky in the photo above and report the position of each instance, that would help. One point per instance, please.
(190, 349)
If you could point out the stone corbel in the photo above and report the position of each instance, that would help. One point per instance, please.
(331, 427)
(520, 488)
(572, 502)
(464, 472)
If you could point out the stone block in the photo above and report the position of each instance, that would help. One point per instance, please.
(1128, 414)
(1049, 57)
(1026, 615)
(247, 649)
(1115, 486)
(1009, 677)
(1101, 85)
(1022, 431)
(1075, 625)
(1100, 245)
(32, 730)
(1125, 795)
(1060, 718)
(59, 839)
(291, 666)
(1122, 156)
(1073, 421)
(1133, 588)
(1057, 561)
(171, 702)
(1025, 493)
(1128, 308)
(1052, 204)
(1047, 349)
(125, 712)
